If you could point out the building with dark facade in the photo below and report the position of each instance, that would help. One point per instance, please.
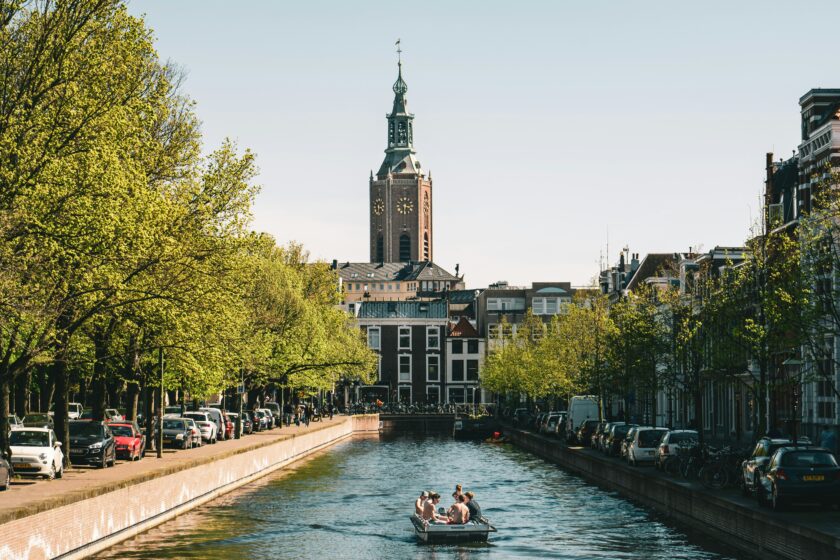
(409, 337)
(501, 307)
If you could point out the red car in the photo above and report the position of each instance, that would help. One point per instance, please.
(131, 442)
(228, 425)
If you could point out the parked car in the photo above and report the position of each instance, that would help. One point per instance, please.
(177, 433)
(113, 415)
(206, 425)
(671, 444)
(584, 431)
(269, 418)
(626, 441)
(216, 416)
(38, 420)
(521, 417)
(130, 441)
(580, 408)
(6, 472)
(196, 432)
(800, 474)
(560, 428)
(74, 410)
(176, 410)
(759, 458)
(247, 423)
(275, 410)
(616, 437)
(643, 447)
(232, 416)
(92, 443)
(550, 425)
(228, 425)
(36, 451)
(14, 421)
(596, 434)
(605, 435)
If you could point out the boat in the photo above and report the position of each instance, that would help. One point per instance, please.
(434, 533)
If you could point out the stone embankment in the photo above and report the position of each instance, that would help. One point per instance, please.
(724, 515)
(90, 510)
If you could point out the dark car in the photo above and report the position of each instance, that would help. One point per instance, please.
(616, 437)
(605, 435)
(247, 423)
(585, 431)
(759, 458)
(92, 443)
(177, 433)
(6, 472)
(596, 434)
(800, 474)
(38, 420)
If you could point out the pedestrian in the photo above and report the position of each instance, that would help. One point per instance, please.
(307, 413)
(828, 439)
(287, 414)
(331, 409)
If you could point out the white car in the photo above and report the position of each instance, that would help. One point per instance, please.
(196, 431)
(644, 445)
(36, 451)
(671, 444)
(113, 415)
(74, 410)
(208, 428)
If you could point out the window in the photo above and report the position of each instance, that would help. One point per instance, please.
(507, 330)
(546, 306)
(456, 395)
(825, 410)
(405, 368)
(405, 338)
(433, 394)
(405, 248)
(472, 370)
(493, 330)
(380, 249)
(404, 394)
(457, 346)
(505, 304)
(379, 367)
(472, 347)
(433, 367)
(373, 336)
(433, 338)
(458, 370)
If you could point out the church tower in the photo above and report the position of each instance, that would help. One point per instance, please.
(400, 193)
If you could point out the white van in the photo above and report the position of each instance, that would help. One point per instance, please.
(74, 410)
(584, 407)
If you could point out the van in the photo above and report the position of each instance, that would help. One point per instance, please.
(74, 410)
(584, 407)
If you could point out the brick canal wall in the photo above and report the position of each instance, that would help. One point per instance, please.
(92, 523)
(749, 529)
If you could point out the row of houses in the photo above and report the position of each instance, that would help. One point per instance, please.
(795, 402)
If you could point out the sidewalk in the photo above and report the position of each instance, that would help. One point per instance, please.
(28, 495)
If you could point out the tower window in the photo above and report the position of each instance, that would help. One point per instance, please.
(405, 248)
(380, 249)
(426, 246)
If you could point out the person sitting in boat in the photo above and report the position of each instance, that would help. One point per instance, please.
(418, 505)
(459, 512)
(472, 505)
(430, 512)
(456, 493)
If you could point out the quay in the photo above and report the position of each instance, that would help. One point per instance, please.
(724, 515)
(90, 509)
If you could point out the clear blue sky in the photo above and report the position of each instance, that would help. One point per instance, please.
(545, 124)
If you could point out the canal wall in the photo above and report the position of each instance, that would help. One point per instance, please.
(90, 523)
(749, 529)
(430, 424)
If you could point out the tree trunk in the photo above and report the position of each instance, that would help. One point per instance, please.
(47, 388)
(62, 426)
(5, 382)
(149, 398)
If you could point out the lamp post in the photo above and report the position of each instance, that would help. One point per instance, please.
(792, 367)
(159, 442)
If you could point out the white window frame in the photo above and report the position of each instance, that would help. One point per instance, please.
(451, 373)
(430, 332)
(378, 331)
(493, 331)
(379, 367)
(400, 335)
(437, 387)
(400, 371)
(429, 358)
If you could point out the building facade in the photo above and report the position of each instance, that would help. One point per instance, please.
(400, 193)
(409, 337)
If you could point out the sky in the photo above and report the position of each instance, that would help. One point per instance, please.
(553, 130)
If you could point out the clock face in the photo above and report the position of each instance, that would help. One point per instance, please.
(404, 205)
(378, 206)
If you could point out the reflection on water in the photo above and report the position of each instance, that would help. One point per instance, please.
(354, 500)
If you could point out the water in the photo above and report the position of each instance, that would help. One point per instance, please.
(354, 501)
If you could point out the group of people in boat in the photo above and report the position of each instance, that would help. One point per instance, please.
(462, 511)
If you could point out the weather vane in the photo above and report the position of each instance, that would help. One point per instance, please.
(399, 51)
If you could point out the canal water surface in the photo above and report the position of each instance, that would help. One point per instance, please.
(354, 501)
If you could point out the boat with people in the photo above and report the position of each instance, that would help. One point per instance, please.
(463, 522)
(435, 533)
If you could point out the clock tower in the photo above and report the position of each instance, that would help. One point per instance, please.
(400, 192)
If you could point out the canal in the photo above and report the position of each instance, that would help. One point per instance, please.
(354, 500)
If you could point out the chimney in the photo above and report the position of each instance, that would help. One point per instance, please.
(335, 264)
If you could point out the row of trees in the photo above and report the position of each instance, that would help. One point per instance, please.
(120, 242)
(746, 320)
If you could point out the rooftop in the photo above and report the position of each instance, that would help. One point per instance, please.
(404, 310)
(392, 271)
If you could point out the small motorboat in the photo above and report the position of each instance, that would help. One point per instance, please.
(434, 533)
